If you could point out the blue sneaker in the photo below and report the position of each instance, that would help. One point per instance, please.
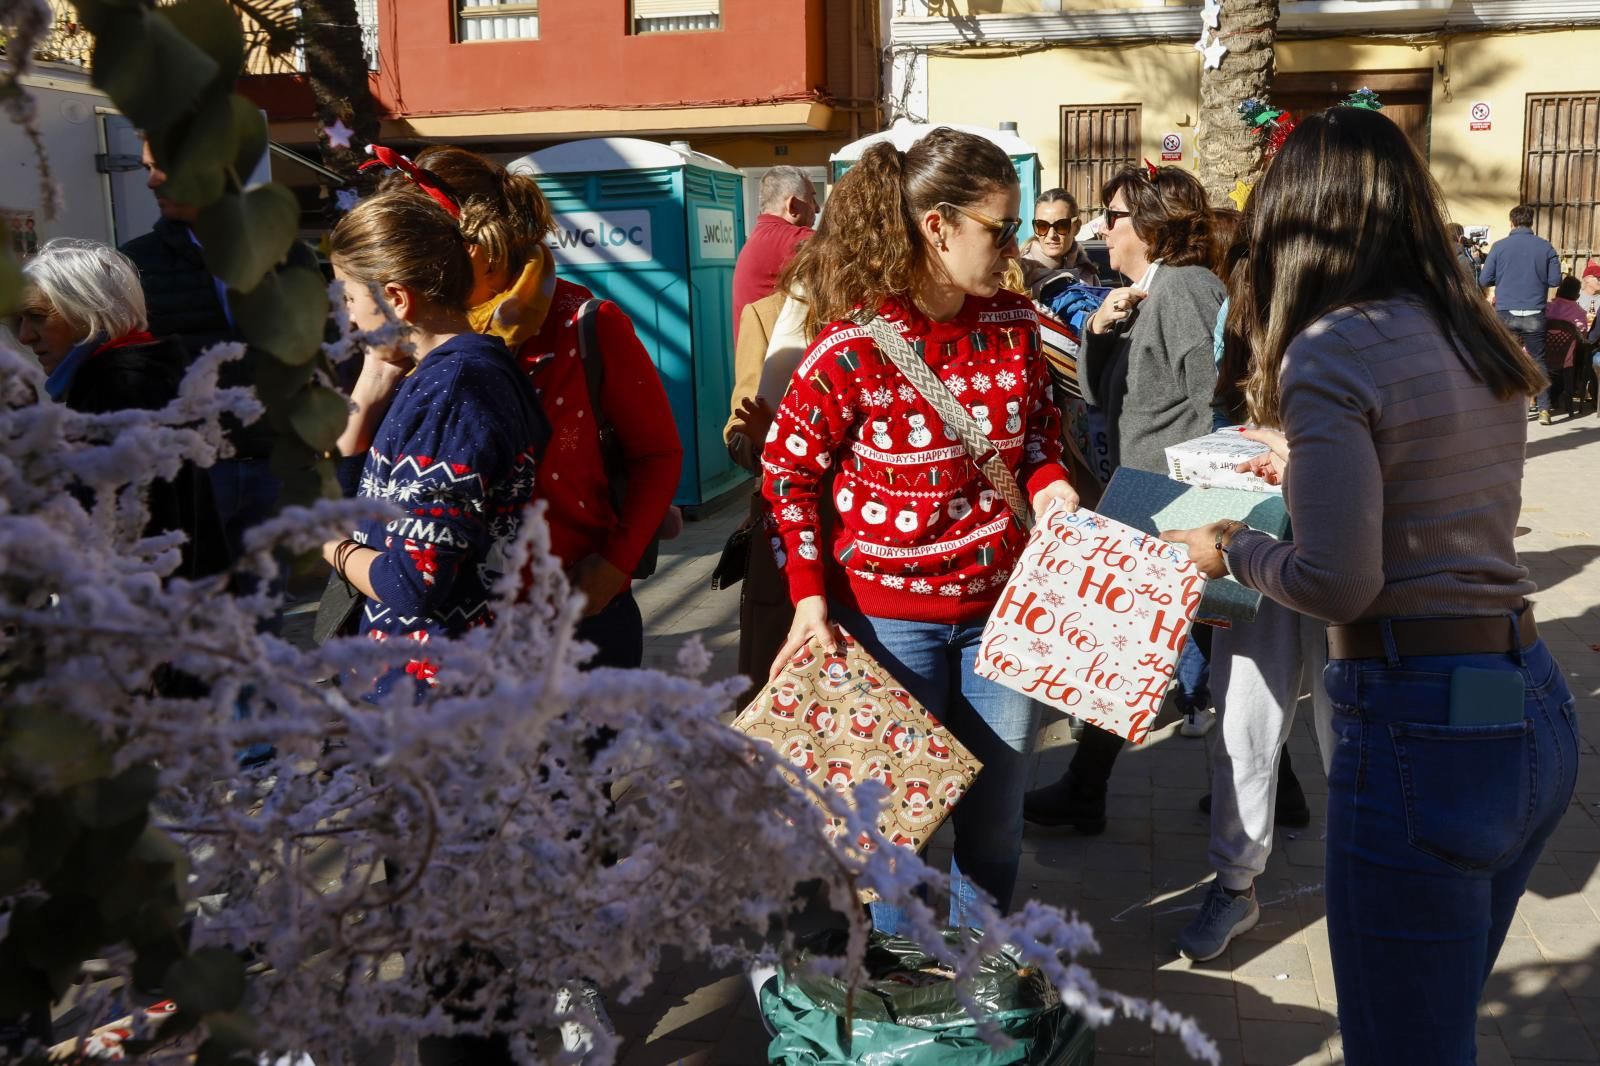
(1222, 917)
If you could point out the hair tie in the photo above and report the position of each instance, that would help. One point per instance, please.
(1151, 170)
(422, 179)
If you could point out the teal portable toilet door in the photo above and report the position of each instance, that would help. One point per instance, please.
(715, 204)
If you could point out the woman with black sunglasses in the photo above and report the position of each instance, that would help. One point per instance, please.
(1053, 251)
(887, 527)
(1148, 363)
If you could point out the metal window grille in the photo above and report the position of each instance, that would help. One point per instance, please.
(497, 20)
(1097, 140)
(1561, 173)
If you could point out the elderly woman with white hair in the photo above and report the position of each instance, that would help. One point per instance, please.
(83, 315)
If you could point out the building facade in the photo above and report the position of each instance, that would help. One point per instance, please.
(1501, 96)
(753, 82)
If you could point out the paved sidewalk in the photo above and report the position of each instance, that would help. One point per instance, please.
(1269, 1000)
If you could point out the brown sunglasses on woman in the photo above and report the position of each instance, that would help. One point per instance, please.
(1064, 227)
(1004, 228)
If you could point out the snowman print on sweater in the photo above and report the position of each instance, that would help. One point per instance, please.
(920, 436)
(980, 415)
(1013, 416)
(880, 436)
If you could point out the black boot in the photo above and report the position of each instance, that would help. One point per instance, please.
(1068, 802)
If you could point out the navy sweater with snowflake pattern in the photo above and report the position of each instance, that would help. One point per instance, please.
(917, 532)
(457, 452)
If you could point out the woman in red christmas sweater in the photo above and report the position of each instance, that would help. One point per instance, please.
(917, 543)
(518, 298)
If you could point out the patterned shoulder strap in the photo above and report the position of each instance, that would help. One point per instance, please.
(978, 446)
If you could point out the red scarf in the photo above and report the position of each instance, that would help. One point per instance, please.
(127, 340)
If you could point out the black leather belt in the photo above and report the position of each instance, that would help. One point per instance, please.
(1432, 636)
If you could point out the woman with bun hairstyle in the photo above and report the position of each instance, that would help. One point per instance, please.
(517, 297)
(1395, 404)
(1148, 361)
(888, 528)
(460, 435)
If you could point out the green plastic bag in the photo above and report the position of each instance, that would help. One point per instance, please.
(906, 1013)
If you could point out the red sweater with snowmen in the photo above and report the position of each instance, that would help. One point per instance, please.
(917, 532)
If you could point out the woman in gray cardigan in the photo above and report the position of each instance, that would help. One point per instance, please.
(1148, 361)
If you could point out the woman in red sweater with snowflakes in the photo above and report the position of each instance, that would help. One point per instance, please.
(917, 543)
(518, 298)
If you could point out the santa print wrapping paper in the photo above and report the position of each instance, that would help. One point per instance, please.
(1092, 620)
(842, 719)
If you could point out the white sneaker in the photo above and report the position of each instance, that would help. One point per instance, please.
(1197, 723)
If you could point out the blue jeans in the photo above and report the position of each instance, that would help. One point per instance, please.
(1529, 329)
(934, 661)
(246, 491)
(1433, 830)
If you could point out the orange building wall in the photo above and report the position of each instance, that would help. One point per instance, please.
(766, 50)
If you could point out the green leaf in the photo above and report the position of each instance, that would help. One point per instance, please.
(300, 488)
(153, 73)
(212, 979)
(57, 935)
(286, 313)
(291, 457)
(246, 234)
(112, 801)
(52, 748)
(10, 283)
(251, 127)
(319, 415)
(196, 153)
(213, 26)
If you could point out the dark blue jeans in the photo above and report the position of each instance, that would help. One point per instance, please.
(246, 492)
(617, 632)
(935, 661)
(1433, 830)
(1529, 329)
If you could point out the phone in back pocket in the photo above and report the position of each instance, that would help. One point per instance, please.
(1486, 697)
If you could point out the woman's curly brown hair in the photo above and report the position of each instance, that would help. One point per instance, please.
(1169, 212)
(868, 246)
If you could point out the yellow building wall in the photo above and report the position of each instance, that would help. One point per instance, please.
(1479, 171)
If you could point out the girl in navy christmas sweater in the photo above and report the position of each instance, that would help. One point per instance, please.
(456, 450)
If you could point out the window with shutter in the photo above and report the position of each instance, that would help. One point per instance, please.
(671, 16)
(1561, 173)
(497, 20)
(1097, 140)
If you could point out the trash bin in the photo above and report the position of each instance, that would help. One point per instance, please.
(1024, 156)
(656, 228)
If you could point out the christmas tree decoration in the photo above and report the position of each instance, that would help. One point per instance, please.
(1213, 52)
(338, 134)
(1365, 99)
(1211, 14)
(1240, 194)
(1261, 116)
(345, 199)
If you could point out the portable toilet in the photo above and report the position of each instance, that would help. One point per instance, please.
(656, 228)
(1024, 156)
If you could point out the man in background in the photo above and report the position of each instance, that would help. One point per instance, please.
(788, 208)
(186, 300)
(1522, 268)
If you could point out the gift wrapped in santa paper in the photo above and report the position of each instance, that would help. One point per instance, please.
(841, 719)
(1092, 620)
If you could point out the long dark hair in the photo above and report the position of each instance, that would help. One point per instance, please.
(1348, 213)
(869, 246)
(1169, 212)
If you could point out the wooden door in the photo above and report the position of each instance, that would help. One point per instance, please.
(1561, 173)
(1406, 94)
(1097, 140)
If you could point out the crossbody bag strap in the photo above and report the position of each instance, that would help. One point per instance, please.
(978, 446)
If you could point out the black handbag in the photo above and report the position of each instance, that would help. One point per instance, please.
(339, 610)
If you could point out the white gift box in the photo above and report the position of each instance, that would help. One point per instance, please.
(1209, 461)
(1092, 620)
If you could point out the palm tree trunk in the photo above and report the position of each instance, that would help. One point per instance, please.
(336, 66)
(1228, 150)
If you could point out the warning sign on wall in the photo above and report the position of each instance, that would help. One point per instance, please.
(1482, 115)
(1171, 148)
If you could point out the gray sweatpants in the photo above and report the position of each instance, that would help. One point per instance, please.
(1259, 670)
